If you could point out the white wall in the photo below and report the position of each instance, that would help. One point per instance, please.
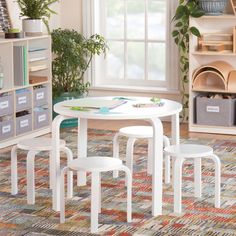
(71, 14)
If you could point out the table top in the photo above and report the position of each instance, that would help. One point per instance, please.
(121, 112)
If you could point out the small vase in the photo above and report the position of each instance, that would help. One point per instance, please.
(213, 7)
(32, 27)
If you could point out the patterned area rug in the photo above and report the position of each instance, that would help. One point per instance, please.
(199, 217)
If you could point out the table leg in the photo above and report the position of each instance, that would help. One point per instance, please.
(175, 139)
(82, 148)
(56, 161)
(157, 170)
(175, 129)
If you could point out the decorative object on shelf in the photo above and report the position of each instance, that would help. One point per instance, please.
(216, 42)
(233, 6)
(13, 33)
(36, 11)
(181, 34)
(73, 54)
(5, 22)
(213, 7)
(213, 76)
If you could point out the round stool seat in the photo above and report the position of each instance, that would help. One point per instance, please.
(137, 131)
(189, 150)
(38, 144)
(95, 164)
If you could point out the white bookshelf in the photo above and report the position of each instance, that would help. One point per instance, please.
(37, 95)
(209, 24)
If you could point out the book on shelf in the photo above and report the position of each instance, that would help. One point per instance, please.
(36, 49)
(37, 59)
(20, 65)
(38, 67)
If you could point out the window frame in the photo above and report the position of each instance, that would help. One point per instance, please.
(91, 22)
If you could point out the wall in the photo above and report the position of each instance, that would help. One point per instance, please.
(71, 14)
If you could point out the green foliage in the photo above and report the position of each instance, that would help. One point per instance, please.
(181, 33)
(37, 9)
(72, 56)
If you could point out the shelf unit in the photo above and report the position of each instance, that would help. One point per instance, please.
(25, 109)
(209, 24)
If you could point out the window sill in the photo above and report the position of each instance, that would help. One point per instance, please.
(134, 89)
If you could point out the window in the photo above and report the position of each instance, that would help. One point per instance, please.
(138, 35)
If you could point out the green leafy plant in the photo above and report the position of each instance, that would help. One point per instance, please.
(37, 9)
(181, 33)
(72, 56)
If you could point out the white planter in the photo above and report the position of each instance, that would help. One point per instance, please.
(31, 27)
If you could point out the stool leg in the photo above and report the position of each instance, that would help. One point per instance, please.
(51, 171)
(198, 177)
(129, 192)
(94, 201)
(99, 195)
(116, 152)
(14, 185)
(129, 155)
(30, 177)
(178, 185)
(173, 170)
(217, 179)
(167, 161)
(62, 194)
(150, 156)
(69, 156)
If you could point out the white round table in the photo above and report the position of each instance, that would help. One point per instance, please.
(125, 111)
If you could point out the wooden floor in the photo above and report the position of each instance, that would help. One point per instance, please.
(116, 125)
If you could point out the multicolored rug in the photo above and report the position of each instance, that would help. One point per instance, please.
(199, 217)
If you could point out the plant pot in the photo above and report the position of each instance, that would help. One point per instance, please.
(213, 7)
(32, 27)
(64, 97)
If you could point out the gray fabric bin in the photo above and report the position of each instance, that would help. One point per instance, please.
(23, 124)
(41, 118)
(23, 101)
(40, 96)
(211, 111)
(6, 129)
(6, 105)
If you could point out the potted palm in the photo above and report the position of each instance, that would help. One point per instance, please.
(73, 54)
(36, 12)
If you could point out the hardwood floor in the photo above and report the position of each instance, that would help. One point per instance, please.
(116, 125)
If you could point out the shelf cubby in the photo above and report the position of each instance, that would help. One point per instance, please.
(21, 98)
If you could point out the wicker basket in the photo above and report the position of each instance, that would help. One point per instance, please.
(213, 7)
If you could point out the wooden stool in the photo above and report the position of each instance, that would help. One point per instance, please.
(133, 133)
(34, 146)
(185, 151)
(95, 165)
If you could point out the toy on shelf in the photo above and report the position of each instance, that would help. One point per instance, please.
(214, 77)
(216, 42)
(233, 5)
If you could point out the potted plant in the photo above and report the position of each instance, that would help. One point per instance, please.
(36, 11)
(73, 54)
(181, 33)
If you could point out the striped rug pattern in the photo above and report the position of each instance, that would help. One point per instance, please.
(199, 215)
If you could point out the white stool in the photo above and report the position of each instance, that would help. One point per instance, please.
(34, 146)
(133, 133)
(95, 165)
(196, 152)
